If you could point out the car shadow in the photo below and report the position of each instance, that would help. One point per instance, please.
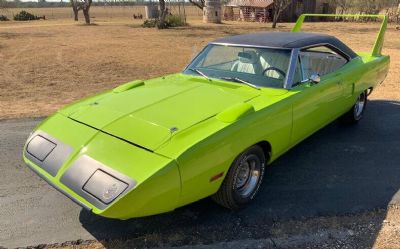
(339, 170)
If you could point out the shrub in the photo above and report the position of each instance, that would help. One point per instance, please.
(3, 18)
(171, 21)
(174, 21)
(150, 23)
(25, 16)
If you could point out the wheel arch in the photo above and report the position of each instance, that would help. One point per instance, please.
(267, 149)
(369, 90)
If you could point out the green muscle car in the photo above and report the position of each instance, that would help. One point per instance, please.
(148, 147)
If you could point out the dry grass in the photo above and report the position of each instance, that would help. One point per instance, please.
(47, 64)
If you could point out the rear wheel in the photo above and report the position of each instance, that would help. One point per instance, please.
(243, 179)
(356, 113)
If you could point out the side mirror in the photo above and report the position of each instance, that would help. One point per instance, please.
(315, 78)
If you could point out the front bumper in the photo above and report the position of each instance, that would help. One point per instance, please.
(59, 189)
(74, 159)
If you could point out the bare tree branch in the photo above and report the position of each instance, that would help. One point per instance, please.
(198, 3)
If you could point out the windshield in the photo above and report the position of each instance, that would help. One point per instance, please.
(260, 67)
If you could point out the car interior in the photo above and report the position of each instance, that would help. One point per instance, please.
(259, 63)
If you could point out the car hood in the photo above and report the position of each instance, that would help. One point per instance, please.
(151, 112)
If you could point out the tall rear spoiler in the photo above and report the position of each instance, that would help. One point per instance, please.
(377, 49)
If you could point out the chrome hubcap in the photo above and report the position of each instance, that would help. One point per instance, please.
(359, 106)
(248, 176)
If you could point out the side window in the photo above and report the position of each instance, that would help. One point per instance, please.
(322, 60)
(298, 74)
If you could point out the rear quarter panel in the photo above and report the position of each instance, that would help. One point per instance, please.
(374, 70)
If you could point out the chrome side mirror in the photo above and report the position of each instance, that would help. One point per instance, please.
(315, 78)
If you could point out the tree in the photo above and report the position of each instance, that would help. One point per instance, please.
(85, 8)
(3, 4)
(41, 3)
(75, 9)
(279, 6)
(83, 5)
(163, 14)
(343, 5)
(198, 3)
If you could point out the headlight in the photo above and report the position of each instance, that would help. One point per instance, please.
(95, 182)
(47, 152)
(104, 186)
(40, 147)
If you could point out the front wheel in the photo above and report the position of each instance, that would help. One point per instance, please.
(357, 111)
(243, 179)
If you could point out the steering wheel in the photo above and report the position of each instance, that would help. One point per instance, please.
(282, 73)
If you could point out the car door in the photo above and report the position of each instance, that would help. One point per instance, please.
(316, 104)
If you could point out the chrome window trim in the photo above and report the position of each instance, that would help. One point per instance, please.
(194, 58)
(292, 68)
(247, 45)
(341, 52)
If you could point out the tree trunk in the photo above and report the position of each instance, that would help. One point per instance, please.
(163, 13)
(279, 6)
(86, 14)
(75, 9)
(75, 13)
(275, 19)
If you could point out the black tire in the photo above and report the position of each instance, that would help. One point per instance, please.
(355, 114)
(231, 194)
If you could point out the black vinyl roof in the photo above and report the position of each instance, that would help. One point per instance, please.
(287, 40)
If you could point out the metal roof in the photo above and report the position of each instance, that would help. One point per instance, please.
(250, 3)
(286, 40)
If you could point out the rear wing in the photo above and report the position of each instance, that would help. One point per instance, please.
(377, 49)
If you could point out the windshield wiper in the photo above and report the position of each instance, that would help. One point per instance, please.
(236, 79)
(200, 73)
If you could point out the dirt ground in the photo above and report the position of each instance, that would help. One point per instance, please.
(47, 64)
(354, 231)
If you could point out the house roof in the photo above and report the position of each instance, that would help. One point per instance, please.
(250, 3)
(288, 40)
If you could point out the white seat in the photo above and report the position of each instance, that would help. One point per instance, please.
(247, 63)
(277, 59)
